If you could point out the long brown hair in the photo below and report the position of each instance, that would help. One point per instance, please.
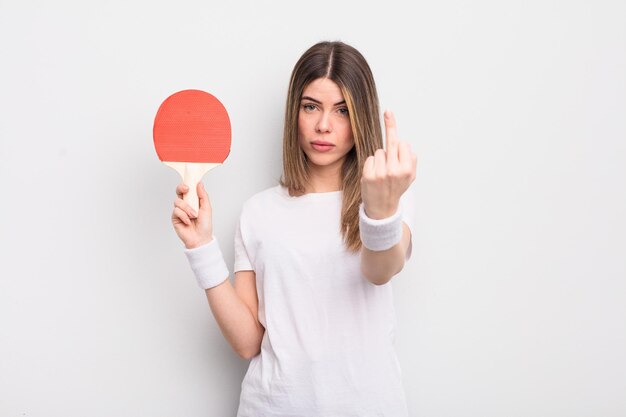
(344, 65)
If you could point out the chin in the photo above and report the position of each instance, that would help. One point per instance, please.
(324, 161)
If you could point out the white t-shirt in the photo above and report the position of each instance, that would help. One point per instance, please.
(328, 343)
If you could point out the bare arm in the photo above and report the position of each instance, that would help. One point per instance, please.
(380, 266)
(236, 311)
(235, 308)
(386, 177)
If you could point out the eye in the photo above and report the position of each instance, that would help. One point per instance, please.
(343, 111)
(308, 107)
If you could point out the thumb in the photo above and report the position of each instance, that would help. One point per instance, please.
(205, 204)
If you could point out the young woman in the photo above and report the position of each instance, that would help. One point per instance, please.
(311, 305)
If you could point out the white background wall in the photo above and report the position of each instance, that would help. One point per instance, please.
(514, 304)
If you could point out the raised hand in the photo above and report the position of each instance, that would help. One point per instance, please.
(194, 229)
(387, 174)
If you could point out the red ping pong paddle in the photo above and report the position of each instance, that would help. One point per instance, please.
(192, 135)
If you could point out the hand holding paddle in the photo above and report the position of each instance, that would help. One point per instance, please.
(192, 135)
(194, 229)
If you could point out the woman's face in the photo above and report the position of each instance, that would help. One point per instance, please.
(324, 131)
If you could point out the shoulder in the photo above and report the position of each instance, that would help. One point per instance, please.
(268, 194)
(260, 210)
(263, 200)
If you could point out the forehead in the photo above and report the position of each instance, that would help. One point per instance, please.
(323, 89)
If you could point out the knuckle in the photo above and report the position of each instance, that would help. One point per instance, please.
(368, 176)
(394, 172)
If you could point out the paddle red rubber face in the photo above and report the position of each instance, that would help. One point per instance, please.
(192, 126)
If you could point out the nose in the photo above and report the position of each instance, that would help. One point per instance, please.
(323, 123)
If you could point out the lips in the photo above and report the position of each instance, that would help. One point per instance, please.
(322, 146)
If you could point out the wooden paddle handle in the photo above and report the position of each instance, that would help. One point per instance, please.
(191, 173)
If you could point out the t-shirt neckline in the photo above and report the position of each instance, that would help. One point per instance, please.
(326, 194)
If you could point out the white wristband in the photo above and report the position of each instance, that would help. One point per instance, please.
(383, 234)
(208, 264)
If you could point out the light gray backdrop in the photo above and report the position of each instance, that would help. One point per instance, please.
(515, 300)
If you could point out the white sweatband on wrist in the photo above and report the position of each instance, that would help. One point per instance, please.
(383, 234)
(208, 264)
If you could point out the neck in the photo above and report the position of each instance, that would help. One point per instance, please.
(324, 179)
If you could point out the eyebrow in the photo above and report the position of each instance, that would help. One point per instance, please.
(319, 102)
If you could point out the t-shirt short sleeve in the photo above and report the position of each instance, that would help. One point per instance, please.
(242, 260)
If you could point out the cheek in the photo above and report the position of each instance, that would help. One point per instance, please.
(347, 135)
(301, 126)
(302, 135)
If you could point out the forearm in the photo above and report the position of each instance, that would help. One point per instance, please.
(235, 319)
(380, 266)
(240, 328)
